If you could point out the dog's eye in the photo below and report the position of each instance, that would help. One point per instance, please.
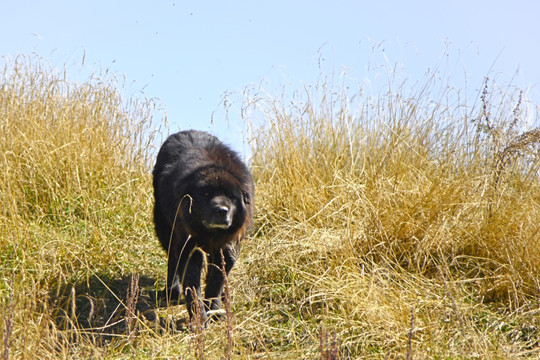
(206, 194)
(246, 198)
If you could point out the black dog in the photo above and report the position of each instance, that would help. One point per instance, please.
(203, 201)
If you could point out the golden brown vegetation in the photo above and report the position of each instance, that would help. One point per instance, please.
(405, 226)
(74, 189)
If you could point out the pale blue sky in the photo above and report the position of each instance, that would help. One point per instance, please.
(188, 53)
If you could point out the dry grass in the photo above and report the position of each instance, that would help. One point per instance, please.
(405, 226)
(74, 191)
(403, 204)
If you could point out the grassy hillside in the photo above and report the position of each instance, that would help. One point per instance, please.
(75, 195)
(405, 226)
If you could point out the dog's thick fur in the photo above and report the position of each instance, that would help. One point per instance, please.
(203, 206)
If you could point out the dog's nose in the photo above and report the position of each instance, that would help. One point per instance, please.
(222, 209)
